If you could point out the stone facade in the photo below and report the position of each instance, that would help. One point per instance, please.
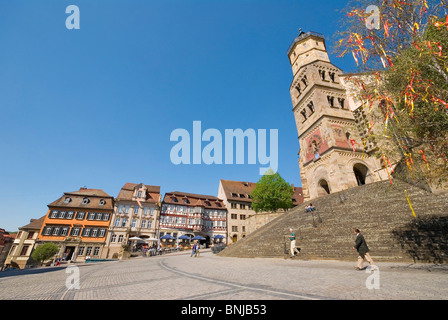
(24, 244)
(136, 214)
(333, 156)
(241, 219)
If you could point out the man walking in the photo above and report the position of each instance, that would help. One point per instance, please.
(292, 238)
(363, 250)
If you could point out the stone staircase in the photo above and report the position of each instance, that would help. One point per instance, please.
(380, 210)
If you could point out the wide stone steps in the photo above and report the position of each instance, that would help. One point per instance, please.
(378, 210)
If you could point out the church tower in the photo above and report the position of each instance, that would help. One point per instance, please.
(332, 155)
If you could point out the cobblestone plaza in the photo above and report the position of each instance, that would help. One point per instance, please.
(211, 277)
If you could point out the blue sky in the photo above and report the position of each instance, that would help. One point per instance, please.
(95, 107)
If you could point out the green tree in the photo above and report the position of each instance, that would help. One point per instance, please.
(272, 193)
(44, 252)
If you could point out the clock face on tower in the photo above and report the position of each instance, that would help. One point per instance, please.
(315, 145)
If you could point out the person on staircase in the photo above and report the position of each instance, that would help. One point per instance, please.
(292, 238)
(363, 250)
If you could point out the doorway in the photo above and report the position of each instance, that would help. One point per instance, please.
(324, 187)
(360, 172)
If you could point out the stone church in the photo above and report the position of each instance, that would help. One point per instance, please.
(335, 153)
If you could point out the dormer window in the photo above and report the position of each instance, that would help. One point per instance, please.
(331, 74)
(234, 195)
(67, 200)
(242, 196)
(186, 201)
(102, 202)
(139, 194)
(85, 201)
(174, 199)
(207, 203)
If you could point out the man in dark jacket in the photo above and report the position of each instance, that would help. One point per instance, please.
(363, 250)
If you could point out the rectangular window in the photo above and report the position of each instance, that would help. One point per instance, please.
(123, 223)
(120, 208)
(134, 221)
(70, 215)
(242, 206)
(143, 225)
(75, 232)
(126, 210)
(106, 216)
(117, 222)
(91, 216)
(54, 214)
(145, 211)
(56, 231)
(120, 238)
(94, 233)
(101, 233)
(64, 231)
(149, 224)
(96, 251)
(113, 238)
(242, 217)
(80, 215)
(99, 216)
(24, 250)
(136, 210)
(234, 216)
(30, 235)
(80, 251)
(86, 232)
(233, 205)
(139, 194)
(47, 231)
(234, 228)
(89, 251)
(61, 215)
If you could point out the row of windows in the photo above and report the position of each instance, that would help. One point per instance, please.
(180, 220)
(123, 222)
(55, 214)
(136, 210)
(235, 229)
(63, 231)
(241, 206)
(102, 202)
(234, 216)
(88, 252)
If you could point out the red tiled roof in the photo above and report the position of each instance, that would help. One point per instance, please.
(76, 198)
(235, 190)
(34, 223)
(193, 200)
(127, 192)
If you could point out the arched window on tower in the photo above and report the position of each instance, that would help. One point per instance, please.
(311, 107)
(303, 112)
